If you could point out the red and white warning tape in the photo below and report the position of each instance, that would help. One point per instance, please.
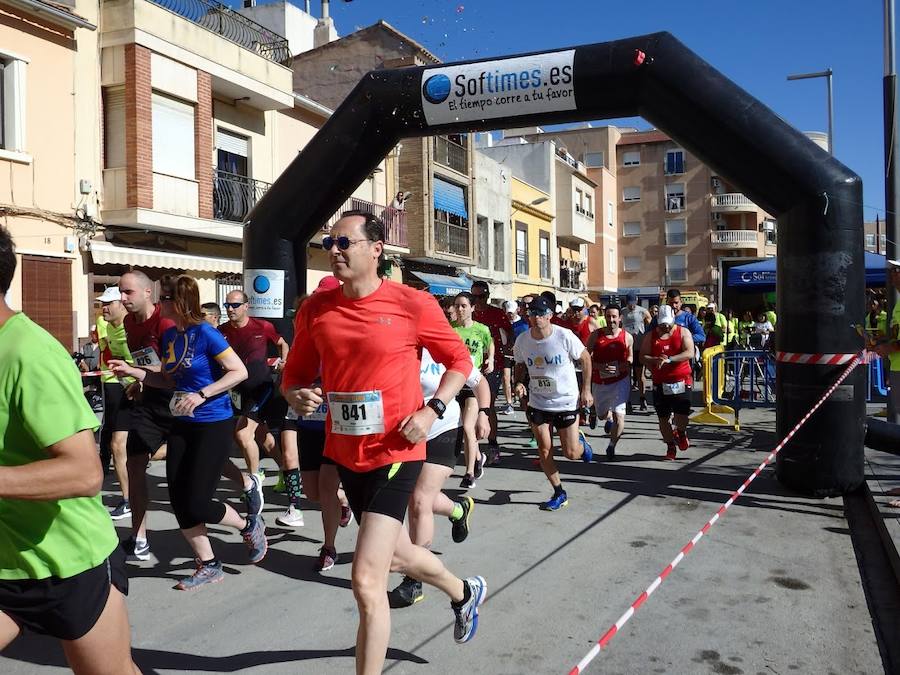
(604, 640)
(815, 359)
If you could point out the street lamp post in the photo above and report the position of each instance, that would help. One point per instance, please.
(827, 75)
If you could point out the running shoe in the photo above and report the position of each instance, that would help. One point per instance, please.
(607, 426)
(262, 475)
(327, 559)
(292, 517)
(467, 482)
(253, 496)
(532, 443)
(643, 404)
(681, 439)
(122, 510)
(280, 487)
(506, 410)
(206, 573)
(670, 451)
(629, 409)
(407, 593)
(346, 515)
(610, 452)
(556, 503)
(479, 466)
(592, 418)
(467, 612)
(493, 453)
(136, 549)
(461, 527)
(587, 452)
(255, 538)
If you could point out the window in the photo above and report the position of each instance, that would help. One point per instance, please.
(631, 263)
(883, 241)
(579, 201)
(499, 247)
(521, 248)
(610, 214)
(674, 162)
(114, 128)
(631, 229)
(631, 158)
(593, 160)
(545, 255)
(232, 153)
(173, 137)
(675, 197)
(612, 260)
(484, 258)
(676, 268)
(631, 194)
(588, 205)
(12, 103)
(676, 232)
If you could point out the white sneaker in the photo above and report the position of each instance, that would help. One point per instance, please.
(292, 517)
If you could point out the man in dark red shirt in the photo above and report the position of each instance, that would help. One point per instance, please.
(256, 397)
(501, 332)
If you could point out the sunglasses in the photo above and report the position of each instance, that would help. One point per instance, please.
(166, 298)
(539, 313)
(343, 243)
(233, 305)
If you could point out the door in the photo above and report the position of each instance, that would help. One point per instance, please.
(47, 296)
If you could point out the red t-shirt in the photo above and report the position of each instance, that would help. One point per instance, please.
(249, 342)
(371, 344)
(670, 372)
(609, 349)
(146, 333)
(584, 330)
(496, 320)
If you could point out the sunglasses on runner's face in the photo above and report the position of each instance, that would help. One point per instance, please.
(233, 305)
(343, 243)
(166, 298)
(541, 313)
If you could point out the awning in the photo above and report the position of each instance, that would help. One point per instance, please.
(105, 253)
(442, 284)
(450, 198)
(760, 275)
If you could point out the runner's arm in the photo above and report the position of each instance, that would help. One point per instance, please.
(687, 347)
(72, 470)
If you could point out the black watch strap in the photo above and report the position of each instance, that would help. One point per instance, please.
(438, 406)
(486, 411)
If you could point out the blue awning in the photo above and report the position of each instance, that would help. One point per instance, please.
(761, 275)
(450, 198)
(442, 284)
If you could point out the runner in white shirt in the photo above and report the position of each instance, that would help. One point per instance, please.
(546, 352)
(442, 450)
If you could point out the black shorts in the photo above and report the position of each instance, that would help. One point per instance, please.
(509, 362)
(311, 444)
(66, 609)
(151, 423)
(558, 420)
(385, 490)
(445, 449)
(252, 403)
(493, 379)
(463, 394)
(666, 404)
(116, 408)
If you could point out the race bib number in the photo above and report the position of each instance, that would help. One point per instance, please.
(145, 358)
(609, 368)
(543, 386)
(176, 398)
(318, 415)
(356, 413)
(671, 388)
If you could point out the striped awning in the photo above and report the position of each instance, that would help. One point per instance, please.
(104, 253)
(450, 198)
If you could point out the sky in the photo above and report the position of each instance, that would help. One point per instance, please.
(756, 43)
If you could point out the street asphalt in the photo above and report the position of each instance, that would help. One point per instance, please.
(773, 588)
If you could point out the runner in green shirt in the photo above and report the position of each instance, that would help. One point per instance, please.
(61, 570)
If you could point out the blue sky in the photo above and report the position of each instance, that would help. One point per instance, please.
(757, 43)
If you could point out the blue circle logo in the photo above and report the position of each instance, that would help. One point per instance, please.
(436, 88)
(261, 284)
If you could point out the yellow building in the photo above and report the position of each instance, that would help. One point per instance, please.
(534, 234)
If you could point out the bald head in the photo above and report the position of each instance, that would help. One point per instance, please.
(137, 292)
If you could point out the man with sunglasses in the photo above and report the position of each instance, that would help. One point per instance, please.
(546, 353)
(364, 339)
(256, 397)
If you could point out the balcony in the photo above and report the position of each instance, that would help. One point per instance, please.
(674, 203)
(451, 154)
(394, 220)
(451, 238)
(570, 275)
(733, 239)
(732, 202)
(234, 196)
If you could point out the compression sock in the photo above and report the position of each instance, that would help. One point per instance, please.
(558, 490)
(458, 512)
(292, 482)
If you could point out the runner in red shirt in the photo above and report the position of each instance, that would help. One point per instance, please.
(667, 351)
(365, 338)
(501, 332)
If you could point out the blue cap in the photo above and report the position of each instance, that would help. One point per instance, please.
(540, 306)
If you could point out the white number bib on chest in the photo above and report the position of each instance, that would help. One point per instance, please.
(176, 398)
(543, 385)
(357, 413)
(145, 358)
(670, 388)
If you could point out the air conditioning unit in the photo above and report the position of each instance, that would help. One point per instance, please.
(716, 216)
(716, 183)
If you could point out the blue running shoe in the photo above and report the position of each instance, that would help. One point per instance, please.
(607, 427)
(556, 503)
(467, 613)
(254, 536)
(587, 451)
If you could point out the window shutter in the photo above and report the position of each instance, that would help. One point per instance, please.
(173, 137)
(114, 128)
(233, 143)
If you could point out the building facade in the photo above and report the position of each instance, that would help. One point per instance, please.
(492, 230)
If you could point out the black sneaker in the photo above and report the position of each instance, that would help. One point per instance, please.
(467, 482)
(407, 593)
(629, 409)
(610, 452)
(592, 418)
(461, 526)
(253, 496)
(479, 467)
(643, 404)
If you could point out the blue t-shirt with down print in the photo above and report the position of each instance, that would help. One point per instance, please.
(189, 357)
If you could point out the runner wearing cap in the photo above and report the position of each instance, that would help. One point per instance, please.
(546, 353)
(611, 350)
(580, 320)
(498, 323)
(61, 572)
(667, 351)
(363, 341)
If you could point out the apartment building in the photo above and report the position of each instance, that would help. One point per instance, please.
(533, 228)
(876, 236)
(493, 263)
(49, 176)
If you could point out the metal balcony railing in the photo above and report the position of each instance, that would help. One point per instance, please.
(735, 201)
(451, 238)
(735, 238)
(232, 26)
(394, 219)
(234, 195)
(451, 154)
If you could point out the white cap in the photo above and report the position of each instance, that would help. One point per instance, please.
(510, 306)
(711, 305)
(111, 294)
(666, 315)
(577, 303)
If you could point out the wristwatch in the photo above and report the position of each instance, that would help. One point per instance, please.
(202, 395)
(438, 406)
(486, 411)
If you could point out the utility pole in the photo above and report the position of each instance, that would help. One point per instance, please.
(827, 74)
(892, 178)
